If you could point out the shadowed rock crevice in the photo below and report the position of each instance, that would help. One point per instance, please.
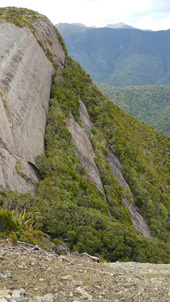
(34, 168)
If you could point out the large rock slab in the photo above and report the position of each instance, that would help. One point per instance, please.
(87, 124)
(83, 146)
(25, 84)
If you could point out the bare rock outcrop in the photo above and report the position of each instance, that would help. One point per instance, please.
(25, 84)
(45, 32)
(138, 220)
(87, 124)
(83, 146)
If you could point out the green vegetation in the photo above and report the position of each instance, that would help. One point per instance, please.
(13, 238)
(49, 55)
(68, 207)
(15, 224)
(20, 171)
(60, 38)
(50, 42)
(19, 16)
(7, 221)
(150, 104)
(5, 104)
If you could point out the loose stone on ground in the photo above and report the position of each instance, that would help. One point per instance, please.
(34, 275)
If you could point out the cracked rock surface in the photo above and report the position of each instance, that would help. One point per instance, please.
(29, 274)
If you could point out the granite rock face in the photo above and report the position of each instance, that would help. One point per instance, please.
(82, 145)
(46, 33)
(87, 124)
(84, 151)
(25, 84)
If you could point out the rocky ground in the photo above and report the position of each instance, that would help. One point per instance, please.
(29, 274)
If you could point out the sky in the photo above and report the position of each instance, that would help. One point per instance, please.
(146, 14)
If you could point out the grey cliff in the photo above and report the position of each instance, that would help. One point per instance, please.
(25, 84)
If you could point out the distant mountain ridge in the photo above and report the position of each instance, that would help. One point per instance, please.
(119, 25)
(122, 56)
(81, 25)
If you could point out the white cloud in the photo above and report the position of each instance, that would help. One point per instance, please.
(153, 14)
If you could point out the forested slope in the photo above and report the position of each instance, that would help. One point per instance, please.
(150, 104)
(120, 57)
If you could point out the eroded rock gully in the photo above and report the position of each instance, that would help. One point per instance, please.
(30, 274)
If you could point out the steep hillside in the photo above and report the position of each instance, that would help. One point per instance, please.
(103, 179)
(120, 57)
(150, 104)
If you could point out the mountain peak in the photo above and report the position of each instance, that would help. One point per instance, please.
(79, 24)
(120, 25)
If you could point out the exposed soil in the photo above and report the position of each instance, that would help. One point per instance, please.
(30, 274)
